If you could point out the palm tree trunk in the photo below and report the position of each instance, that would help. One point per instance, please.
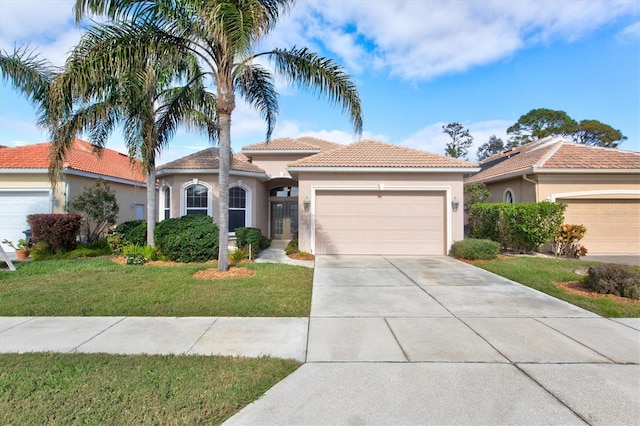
(151, 206)
(223, 189)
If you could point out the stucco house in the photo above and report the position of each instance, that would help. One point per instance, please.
(601, 187)
(365, 198)
(25, 187)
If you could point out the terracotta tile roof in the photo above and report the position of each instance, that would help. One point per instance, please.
(208, 159)
(374, 154)
(553, 153)
(81, 157)
(305, 143)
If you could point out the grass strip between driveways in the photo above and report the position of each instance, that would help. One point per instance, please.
(100, 287)
(542, 273)
(112, 389)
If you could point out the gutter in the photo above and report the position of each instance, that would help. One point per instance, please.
(535, 185)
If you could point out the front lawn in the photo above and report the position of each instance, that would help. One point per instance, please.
(100, 287)
(542, 273)
(64, 389)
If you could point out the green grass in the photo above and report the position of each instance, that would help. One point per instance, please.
(100, 287)
(541, 273)
(112, 389)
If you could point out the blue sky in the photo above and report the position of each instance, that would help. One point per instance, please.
(418, 65)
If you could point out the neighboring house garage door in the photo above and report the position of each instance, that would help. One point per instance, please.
(380, 222)
(613, 226)
(14, 209)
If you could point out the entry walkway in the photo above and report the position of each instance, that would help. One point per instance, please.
(401, 340)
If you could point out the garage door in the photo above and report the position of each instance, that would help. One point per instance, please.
(613, 226)
(14, 209)
(380, 222)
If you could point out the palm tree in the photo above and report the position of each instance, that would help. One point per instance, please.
(223, 34)
(111, 79)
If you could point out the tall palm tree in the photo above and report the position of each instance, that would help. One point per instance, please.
(223, 35)
(112, 79)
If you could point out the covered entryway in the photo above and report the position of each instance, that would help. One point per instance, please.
(380, 222)
(15, 206)
(283, 210)
(613, 226)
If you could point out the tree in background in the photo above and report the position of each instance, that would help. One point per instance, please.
(461, 140)
(475, 193)
(98, 206)
(493, 147)
(593, 132)
(540, 123)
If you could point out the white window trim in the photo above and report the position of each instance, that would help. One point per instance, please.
(248, 206)
(163, 208)
(183, 196)
(513, 196)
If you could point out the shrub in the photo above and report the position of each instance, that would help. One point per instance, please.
(59, 231)
(238, 254)
(248, 236)
(609, 278)
(567, 241)
(292, 247)
(474, 249)
(99, 207)
(191, 238)
(133, 231)
(137, 255)
(523, 226)
(117, 243)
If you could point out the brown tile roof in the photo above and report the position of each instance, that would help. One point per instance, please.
(553, 153)
(374, 154)
(81, 157)
(305, 143)
(208, 159)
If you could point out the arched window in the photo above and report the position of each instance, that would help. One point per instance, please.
(166, 197)
(237, 208)
(197, 198)
(508, 196)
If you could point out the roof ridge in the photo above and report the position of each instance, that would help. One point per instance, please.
(558, 144)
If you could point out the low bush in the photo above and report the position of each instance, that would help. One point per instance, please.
(117, 243)
(567, 241)
(251, 236)
(59, 231)
(191, 238)
(41, 251)
(292, 247)
(138, 255)
(238, 254)
(133, 231)
(609, 278)
(475, 249)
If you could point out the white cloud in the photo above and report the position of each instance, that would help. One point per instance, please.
(419, 40)
(431, 137)
(630, 33)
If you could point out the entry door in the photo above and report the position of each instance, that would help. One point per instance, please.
(284, 220)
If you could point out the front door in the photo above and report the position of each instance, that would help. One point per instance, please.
(284, 220)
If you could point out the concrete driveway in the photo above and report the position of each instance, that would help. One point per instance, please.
(430, 340)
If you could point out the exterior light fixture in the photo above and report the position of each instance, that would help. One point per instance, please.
(455, 204)
(306, 203)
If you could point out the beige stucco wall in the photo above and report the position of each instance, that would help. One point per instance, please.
(24, 180)
(178, 182)
(523, 191)
(276, 164)
(588, 186)
(310, 180)
(127, 195)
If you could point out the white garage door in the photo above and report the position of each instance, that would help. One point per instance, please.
(613, 226)
(14, 209)
(380, 222)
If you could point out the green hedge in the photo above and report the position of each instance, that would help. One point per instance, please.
(253, 237)
(133, 231)
(523, 227)
(474, 249)
(191, 238)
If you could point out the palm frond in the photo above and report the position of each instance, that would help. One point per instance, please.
(255, 84)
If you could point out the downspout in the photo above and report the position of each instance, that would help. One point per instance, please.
(535, 185)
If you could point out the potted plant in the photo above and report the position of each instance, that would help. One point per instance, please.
(22, 248)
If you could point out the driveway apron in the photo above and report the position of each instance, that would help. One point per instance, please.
(431, 340)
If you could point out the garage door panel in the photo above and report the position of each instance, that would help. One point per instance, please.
(15, 206)
(389, 222)
(613, 226)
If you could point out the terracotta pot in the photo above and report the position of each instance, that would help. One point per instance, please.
(22, 254)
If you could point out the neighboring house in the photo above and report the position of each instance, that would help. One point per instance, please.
(365, 198)
(601, 187)
(25, 187)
